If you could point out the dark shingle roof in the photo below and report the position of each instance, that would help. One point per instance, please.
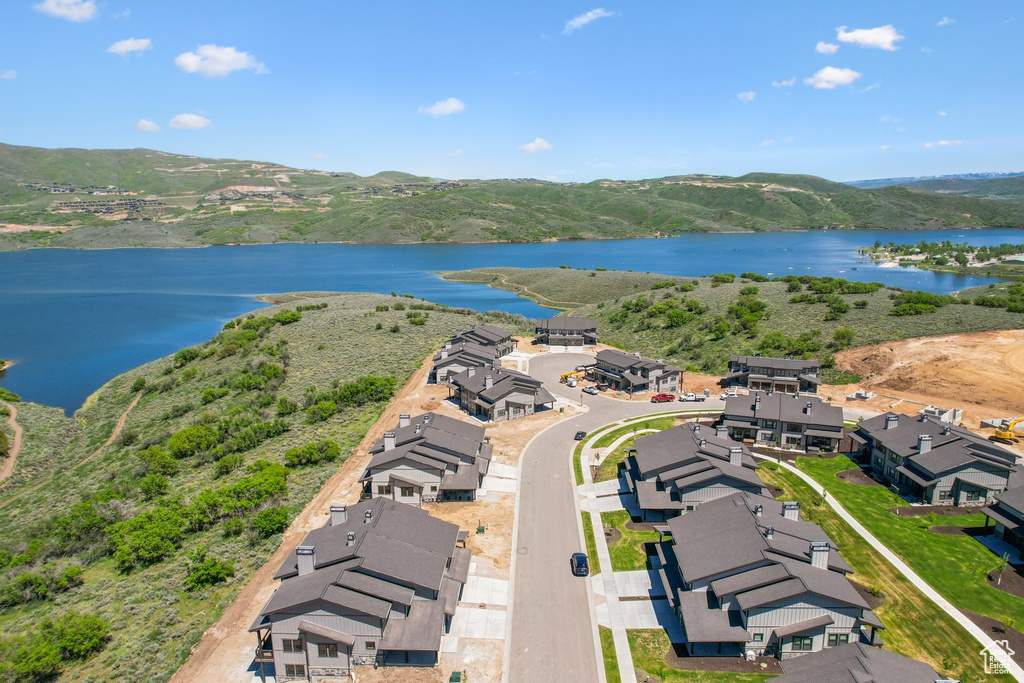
(566, 324)
(784, 408)
(774, 363)
(856, 663)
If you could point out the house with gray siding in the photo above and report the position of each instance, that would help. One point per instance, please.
(762, 373)
(378, 584)
(496, 394)
(458, 357)
(673, 471)
(940, 463)
(566, 331)
(486, 335)
(426, 459)
(629, 372)
(1008, 514)
(784, 420)
(858, 663)
(745, 575)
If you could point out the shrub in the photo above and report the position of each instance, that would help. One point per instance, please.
(145, 539)
(312, 454)
(286, 406)
(192, 440)
(202, 570)
(185, 356)
(76, 636)
(723, 278)
(843, 337)
(4, 445)
(755, 277)
(287, 317)
(211, 394)
(43, 583)
(228, 464)
(153, 486)
(271, 521)
(138, 385)
(321, 411)
(751, 290)
(267, 481)
(157, 461)
(9, 396)
(232, 527)
(863, 303)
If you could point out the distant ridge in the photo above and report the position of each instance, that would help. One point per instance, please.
(910, 180)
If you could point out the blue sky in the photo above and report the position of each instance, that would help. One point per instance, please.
(554, 90)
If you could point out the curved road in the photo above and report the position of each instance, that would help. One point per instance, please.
(552, 635)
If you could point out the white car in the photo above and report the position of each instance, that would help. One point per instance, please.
(728, 394)
(590, 390)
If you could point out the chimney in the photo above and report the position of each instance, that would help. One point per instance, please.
(696, 428)
(807, 408)
(945, 430)
(924, 443)
(791, 509)
(769, 532)
(417, 427)
(403, 420)
(758, 509)
(389, 440)
(306, 556)
(367, 516)
(892, 421)
(703, 443)
(351, 540)
(471, 372)
(819, 554)
(488, 381)
(736, 455)
(339, 514)
(448, 344)
(722, 432)
(444, 353)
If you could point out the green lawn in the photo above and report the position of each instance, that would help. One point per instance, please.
(588, 535)
(915, 626)
(577, 464)
(609, 467)
(611, 660)
(627, 553)
(955, 566)
(649, 647)
(657, 423)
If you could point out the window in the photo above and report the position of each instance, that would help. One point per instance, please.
(837, 639)
(327, 649)
(371, 645)
(803, 643)
(879, 460)
(768, 424)
(406, 491)
(296, 670)
(792, 440)
(433, 489)
(973, 496)
(893, 457)
(794, 427)
(383, 489)
(291, 645)
(946, 494)
(758, 637)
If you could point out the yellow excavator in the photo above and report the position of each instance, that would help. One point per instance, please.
(1005, 434)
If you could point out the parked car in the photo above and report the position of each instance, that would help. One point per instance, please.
(579, 565)
(580, 436)
(728, 394)
(582, 368)
(662, 398)
(692, 397)
(590, 390)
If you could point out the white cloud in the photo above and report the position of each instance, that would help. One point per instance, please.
(524, 73)
(830, 77)
(584, 19)
(317, 155)
(942, 113)
(455, 152)
(887, 118)
(136, 45)
(882, 37)
(214, 60)
(767, 143)
(873, 86)
(746, 96)
(789, 83)
(946, 21)
(826, 48)
(189, 122)
(124, 14)
(789, 139)
(72, 10)
(535, 146)
(8, 75)
(944, 143)
(884, 147)
(147, 126)
(452, 105)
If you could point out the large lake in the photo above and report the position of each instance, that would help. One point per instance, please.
(74, 319)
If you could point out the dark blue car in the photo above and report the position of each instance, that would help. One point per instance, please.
(578, 563)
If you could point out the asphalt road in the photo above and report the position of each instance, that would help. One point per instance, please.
(552, 633)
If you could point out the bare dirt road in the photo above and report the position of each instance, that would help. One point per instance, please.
(12, 453)
(982, 373)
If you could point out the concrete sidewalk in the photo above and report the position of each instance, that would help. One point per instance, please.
(1012, 667)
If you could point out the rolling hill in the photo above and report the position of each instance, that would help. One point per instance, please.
(140, 197)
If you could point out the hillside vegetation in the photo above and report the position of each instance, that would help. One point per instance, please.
(697, 323)
(156, 533)
(178, 200)
(981, 188)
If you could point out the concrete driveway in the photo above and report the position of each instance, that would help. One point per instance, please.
(553, 634)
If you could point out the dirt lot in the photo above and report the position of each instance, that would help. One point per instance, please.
(982, 373)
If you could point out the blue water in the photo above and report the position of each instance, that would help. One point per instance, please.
(74, 319)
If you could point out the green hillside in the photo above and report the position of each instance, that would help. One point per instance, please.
(987, 188)
(140, 197)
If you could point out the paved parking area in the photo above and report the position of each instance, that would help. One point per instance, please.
(480, 589)
(496, 485)
(473, 622)
(639, 584)
(497, 469)
(645, 614)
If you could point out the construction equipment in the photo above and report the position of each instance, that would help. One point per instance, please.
(564, 379)
(1005, 434)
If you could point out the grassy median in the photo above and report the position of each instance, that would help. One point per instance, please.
(649, 647)
(611, 660)
(628, 552)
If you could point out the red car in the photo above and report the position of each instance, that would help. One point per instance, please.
(662, 398)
